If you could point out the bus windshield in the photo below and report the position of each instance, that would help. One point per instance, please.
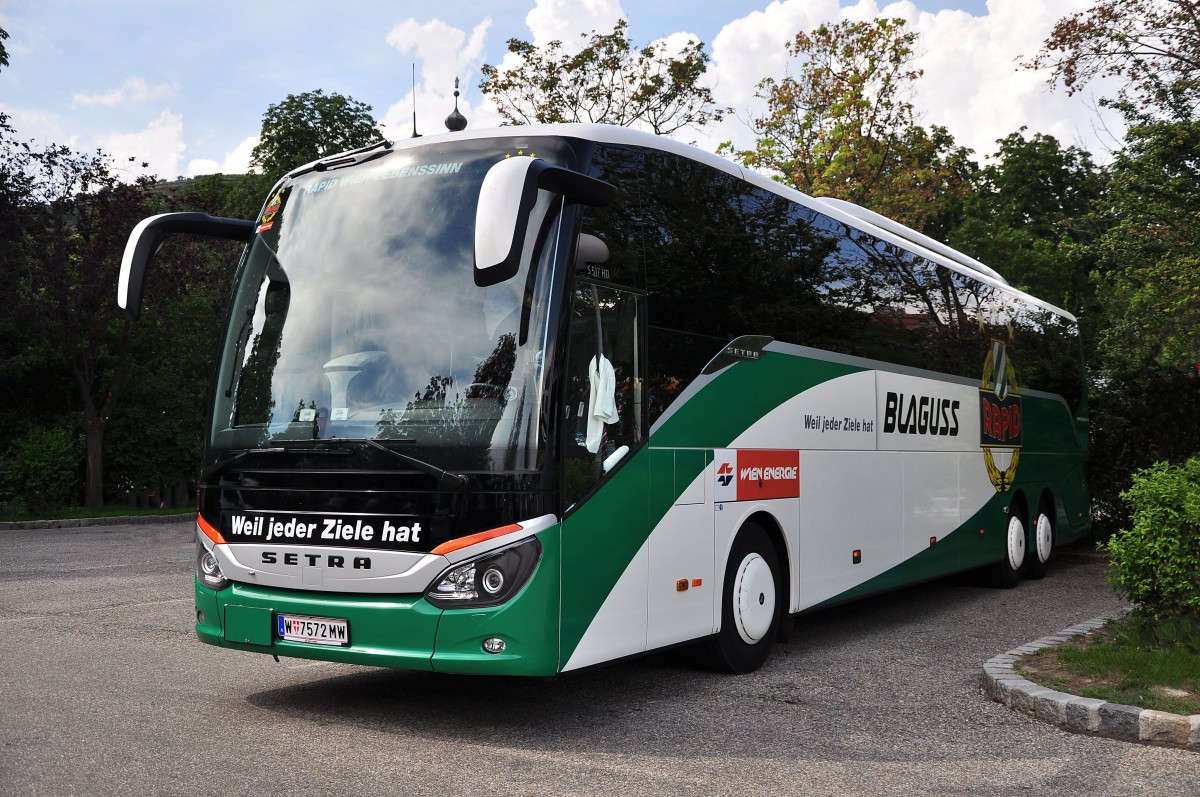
(355, 315)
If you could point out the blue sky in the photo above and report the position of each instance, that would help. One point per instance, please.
(184, 85)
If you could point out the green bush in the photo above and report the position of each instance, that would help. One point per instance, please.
(40, 471)
(1156, 562)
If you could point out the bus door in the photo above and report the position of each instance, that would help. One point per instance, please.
(604, 477)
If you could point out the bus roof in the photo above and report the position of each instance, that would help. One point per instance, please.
(845, 212)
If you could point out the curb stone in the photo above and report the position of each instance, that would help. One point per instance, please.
(74, 523)
(1084, 715)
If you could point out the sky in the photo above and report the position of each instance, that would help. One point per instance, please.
(183, 85)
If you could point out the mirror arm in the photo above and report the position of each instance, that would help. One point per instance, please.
(148, 236)
(580, 188)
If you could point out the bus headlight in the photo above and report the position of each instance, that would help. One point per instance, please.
(486, 580)
(208, 569)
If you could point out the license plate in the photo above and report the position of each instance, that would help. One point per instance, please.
(313, 630)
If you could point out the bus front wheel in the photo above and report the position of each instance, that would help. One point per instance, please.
(750, 605)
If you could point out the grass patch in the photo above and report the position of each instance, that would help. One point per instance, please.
(1118, 664)
(74, 512)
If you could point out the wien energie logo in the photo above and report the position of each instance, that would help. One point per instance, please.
(725, 474)
(750, 474)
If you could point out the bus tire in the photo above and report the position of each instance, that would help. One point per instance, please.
(1041, 548)
(750, 605)
(1007, 572)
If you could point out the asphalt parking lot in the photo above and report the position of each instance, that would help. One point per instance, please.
(105, 690)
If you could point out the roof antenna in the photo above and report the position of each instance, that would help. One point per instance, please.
(456, 122)
(414, 95)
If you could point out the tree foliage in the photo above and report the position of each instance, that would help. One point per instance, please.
(306, 127)
(1030, 214)
(64, 242)
(1152, 46)
(67, 356)
(235, 196)
(40, 471)
(609, 81)
(3, 51)
(1146, 406)
(844, 125)
(1149, 261)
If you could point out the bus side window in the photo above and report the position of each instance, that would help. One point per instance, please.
(605, 406)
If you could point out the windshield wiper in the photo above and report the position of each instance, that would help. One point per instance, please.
(444, 477)
(223, 465)
(339, 446)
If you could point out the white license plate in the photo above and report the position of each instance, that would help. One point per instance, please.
(314, 630)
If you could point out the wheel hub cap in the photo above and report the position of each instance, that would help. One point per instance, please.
(753, 598)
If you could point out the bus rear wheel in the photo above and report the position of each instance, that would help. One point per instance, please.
(1042, 549)
(750, 605)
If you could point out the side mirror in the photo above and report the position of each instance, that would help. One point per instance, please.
(148, 236)
(590, 251)
(506, 198)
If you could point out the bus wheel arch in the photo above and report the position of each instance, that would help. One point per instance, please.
(752, 599)
(1041, 542)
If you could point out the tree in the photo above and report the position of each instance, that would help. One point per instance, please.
(1151, 45)
(156, 434)
(1031, 214)
(237, 196)
(3, 52)
(1146, 274)
(61, 264)
(306, 127)
(1148, 260)
(844, 126)
(609, 81)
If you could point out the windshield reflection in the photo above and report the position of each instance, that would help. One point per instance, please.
(356, 316)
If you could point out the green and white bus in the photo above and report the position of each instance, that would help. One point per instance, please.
(528, 400)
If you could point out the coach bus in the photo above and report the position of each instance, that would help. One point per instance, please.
(529, 400)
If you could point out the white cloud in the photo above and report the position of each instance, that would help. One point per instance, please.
(975, 86)
(160, 146)
(237, 161)
(445, 53)
(972, 84)
(40, 127)
(565, 20)
(747, 50)
(134, 89)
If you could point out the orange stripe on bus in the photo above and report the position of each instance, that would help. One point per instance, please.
(483, 536)
(209, 530)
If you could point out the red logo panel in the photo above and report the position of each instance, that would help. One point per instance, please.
(767, 474)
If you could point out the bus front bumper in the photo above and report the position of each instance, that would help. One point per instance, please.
(400, 631)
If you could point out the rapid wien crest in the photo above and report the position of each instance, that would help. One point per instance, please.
(1000, 422)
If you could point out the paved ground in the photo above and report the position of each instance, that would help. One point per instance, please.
(104, 690)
